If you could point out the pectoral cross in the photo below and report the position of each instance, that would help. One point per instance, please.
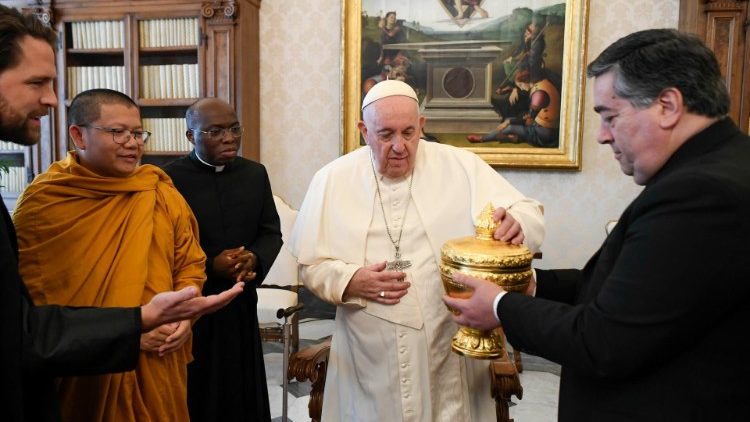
(398, 264)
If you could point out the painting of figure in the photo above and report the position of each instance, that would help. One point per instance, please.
(464, 58)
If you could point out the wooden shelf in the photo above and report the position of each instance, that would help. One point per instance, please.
(167, 102)
(168, 50)
(96, 51)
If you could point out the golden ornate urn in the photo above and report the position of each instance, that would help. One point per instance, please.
(481, 256)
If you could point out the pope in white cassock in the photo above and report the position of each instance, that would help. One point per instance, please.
(368, 239)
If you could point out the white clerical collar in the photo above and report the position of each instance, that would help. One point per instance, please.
(218, 169)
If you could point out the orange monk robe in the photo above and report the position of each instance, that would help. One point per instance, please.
(87, 240)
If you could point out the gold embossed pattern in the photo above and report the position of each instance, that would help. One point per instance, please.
(481, 256)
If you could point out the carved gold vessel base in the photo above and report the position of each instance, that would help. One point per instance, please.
(478, 344)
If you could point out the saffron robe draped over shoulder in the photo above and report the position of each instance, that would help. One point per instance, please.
(87, 240)
(395, 362)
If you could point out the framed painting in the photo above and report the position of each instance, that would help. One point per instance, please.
(504, 79)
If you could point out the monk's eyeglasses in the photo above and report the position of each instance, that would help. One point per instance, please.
(218, 133)
(122, 136)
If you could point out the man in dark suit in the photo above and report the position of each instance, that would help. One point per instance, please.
(239, 231)
(41, 342)
(651, 328)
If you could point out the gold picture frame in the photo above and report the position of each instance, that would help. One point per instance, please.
(569, 50)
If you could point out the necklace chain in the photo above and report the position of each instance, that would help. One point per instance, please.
(396, 243)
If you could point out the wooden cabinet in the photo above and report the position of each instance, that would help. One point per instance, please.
(723, 25)
(154, 58)
(162, 53)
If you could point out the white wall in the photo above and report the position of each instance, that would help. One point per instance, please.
(301, 111)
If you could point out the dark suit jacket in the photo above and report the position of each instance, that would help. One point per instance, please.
(41, 342)
(653, 327)
(234, 207)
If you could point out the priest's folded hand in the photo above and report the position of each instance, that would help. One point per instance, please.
(244, 269)
(225, 264)
(375, 283)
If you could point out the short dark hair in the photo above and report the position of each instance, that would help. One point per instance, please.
(645, 63)
(191, 112)
(13, 27)
(86, 106)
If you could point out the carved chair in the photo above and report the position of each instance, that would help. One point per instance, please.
(311, 363)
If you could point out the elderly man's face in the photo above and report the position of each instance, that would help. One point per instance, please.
(392, 127)
(633, 133)
(26, 92)
(214, 141)
(98, 149)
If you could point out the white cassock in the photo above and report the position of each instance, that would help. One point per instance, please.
(394, 362)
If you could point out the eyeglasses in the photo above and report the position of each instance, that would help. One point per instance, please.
(218, 133)
(122, 136)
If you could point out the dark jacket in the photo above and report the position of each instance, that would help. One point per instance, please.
(234, 207)
(651, 329)
(38, 343)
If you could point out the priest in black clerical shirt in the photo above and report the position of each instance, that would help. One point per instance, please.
(239, 231)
